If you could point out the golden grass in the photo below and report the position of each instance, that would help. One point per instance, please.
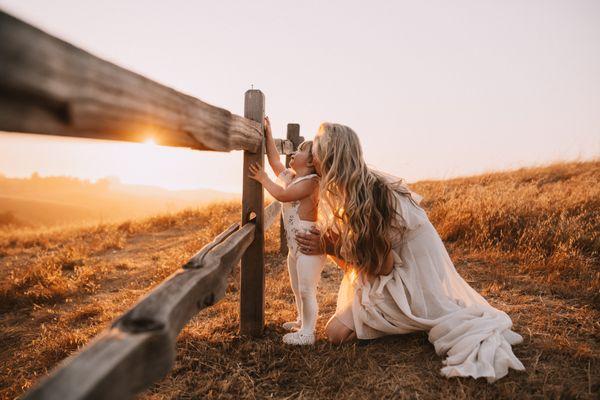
(526, 239)
(544, 220)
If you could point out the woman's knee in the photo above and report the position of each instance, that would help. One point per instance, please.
(337, 332)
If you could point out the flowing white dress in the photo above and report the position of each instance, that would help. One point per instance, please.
(425, 293)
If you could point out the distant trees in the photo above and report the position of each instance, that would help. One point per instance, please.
(8, 218)
(107, 182)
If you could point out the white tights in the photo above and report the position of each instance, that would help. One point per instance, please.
(305, 273)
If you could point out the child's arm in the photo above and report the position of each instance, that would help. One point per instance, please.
(272, 153)
(296, 192)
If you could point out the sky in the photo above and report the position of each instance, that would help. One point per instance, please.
(434, 89)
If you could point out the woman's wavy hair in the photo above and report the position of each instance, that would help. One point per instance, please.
(358, 206)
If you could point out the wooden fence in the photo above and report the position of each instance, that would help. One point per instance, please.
(48, 86)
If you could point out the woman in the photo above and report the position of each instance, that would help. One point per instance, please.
(398, 277)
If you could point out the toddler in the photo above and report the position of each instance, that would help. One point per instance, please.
(299, 195)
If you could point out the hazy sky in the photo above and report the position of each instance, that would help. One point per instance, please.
(434, 89)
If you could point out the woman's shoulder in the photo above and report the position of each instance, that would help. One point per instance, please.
(409, 215)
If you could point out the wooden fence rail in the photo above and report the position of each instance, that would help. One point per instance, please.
(48, 86)
(139, 347)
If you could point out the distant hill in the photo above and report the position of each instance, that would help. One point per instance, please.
(58, 200)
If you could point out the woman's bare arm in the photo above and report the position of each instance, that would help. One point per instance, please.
(343, 264)
(311, 243)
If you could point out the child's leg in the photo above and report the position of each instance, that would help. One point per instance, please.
(309, 273)
(292, 270)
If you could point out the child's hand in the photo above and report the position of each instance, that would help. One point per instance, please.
(256, 172)
(267, 125)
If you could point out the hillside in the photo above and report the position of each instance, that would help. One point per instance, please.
(528, 240)
(61, 200)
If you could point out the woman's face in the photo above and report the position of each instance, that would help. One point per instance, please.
(316, 159)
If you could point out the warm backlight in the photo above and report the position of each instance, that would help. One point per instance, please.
(144, 163)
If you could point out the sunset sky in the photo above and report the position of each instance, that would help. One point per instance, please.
(434, 89)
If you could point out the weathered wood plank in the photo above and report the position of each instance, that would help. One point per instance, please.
(272, 211)
(115, 365)
(252, 276)
(196, 260)
(49, 86)
(284, 146)
(139, 347)
(180, 297)
(293, 136)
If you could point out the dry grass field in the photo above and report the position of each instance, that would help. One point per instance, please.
(528, 240)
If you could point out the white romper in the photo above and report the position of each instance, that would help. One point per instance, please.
(305, 270)
(291, 220)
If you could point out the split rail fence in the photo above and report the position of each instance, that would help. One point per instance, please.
(48, 86)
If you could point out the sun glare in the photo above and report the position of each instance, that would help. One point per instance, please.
(353, 275)
(143, 163)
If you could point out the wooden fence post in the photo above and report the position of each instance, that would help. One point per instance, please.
(252, 276)
(293, 135)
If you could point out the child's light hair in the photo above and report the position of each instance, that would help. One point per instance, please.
(357, 205)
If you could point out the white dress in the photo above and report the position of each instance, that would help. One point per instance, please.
(425, 293)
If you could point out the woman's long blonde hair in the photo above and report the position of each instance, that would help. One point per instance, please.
(357, 205)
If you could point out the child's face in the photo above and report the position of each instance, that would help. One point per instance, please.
(301, 158)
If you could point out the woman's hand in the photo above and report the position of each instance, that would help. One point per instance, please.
(310, 242)
(267, 125)
(256, 172)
